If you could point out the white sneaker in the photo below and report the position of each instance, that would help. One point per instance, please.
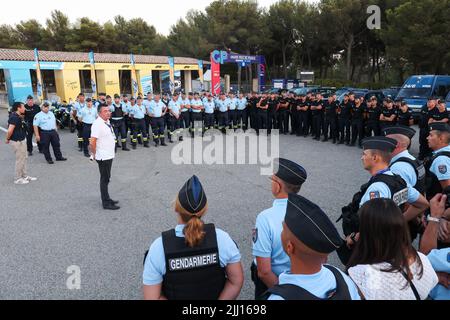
(28, 178)
(21, 181)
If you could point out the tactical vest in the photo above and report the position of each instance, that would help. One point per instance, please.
(293, 292)
(420, 171)
(118, 112)
(192, 273)
(433, 186)
(399, 194)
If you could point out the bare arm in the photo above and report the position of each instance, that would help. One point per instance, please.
(417, 208)
(153, 292)
(93, 145)
(36, 133)
(265, 272)
(10, 132)
(235, 280)
(430, 236)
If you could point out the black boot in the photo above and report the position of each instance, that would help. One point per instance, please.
(170, 138)
(80, 146)
(156, 142)
(162, 142)
(124, 146)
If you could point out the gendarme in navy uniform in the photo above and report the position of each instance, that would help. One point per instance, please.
(194, 261)
(308, 238)
(270, 259)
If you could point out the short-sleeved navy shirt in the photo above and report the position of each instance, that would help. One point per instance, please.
(19, 132)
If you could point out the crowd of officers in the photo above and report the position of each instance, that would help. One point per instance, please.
(144, 119)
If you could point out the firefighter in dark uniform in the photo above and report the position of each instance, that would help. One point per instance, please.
(292, 112)
(344, 120)
(426, 113)
(118, 123)
(31, 110)
(252, 111)
(407, 167)
(272, 113)
(384, 183)
(193, 261)
(388, 117)
(77, 107)
(308, 237)
(373, 112)
(330, 123)
(357, 123)
(404, 115)
(438, 169)
(283, 114)
(137, 115)
(262, 113)
(125, 107)
(157, 113)
(303, 118)
(317, 113)
(310, 98)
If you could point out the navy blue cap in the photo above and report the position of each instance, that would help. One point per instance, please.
(290, 172)
(440, 126)
(403, 130)
(311, 225)
(192, 197)
(30, 97)
(379, 143)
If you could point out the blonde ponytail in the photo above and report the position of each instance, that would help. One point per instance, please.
(193, 231)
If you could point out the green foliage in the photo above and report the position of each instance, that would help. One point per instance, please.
(328, 36)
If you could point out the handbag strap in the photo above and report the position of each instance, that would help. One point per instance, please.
(411, 284)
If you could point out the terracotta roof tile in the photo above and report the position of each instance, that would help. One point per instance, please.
(58, 56)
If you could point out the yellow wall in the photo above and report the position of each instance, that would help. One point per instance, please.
(68, 81)
(67, 84)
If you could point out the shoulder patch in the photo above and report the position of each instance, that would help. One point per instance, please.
(374, 195)
(255, 235)
(443, 169)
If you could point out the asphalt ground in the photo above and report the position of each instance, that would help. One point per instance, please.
(57, 221)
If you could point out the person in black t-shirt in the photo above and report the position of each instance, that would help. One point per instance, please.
(388, 116)
(373, 112)
(15, 136)
(426, 114)
(357, 123)
(344, 118)
(404, 115)
(31, 110)
(441, 114)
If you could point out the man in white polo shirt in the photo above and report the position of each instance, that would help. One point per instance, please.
(102, 145)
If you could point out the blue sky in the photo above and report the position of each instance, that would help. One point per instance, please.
(162, 13)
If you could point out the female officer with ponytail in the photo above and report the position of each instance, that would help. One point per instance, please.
(194, 261)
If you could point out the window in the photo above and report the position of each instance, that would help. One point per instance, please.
(442, 87)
